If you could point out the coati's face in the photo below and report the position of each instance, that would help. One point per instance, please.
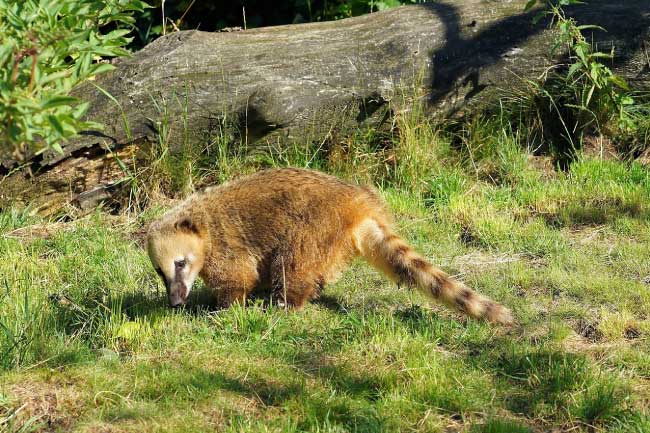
(177, 254)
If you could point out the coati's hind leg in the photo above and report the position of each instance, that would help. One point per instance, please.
(389, 253)
(293, 284)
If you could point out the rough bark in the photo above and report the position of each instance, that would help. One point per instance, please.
(302, 82)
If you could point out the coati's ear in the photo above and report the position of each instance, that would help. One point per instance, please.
(186, 224)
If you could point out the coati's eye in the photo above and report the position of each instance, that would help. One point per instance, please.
(180, 264)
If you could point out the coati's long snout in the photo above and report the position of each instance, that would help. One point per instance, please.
(390, 254)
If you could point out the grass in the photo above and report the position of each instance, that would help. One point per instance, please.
(87, 343)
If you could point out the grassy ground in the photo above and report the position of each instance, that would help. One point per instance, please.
(87, 343)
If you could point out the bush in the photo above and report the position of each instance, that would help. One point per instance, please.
(582, 97)
(46, 48)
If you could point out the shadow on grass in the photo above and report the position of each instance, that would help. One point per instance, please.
(540, 377)
(314, 375)
(141, 305)
(192, 383)
(329, 387)
(331, 303)
(604, 212)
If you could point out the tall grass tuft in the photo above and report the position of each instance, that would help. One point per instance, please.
(419, 145)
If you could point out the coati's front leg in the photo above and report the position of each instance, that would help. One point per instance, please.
(231, 281)
(229, 295)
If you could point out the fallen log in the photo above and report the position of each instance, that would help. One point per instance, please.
(302, 82)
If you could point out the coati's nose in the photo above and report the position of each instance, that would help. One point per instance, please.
(176, 302)
(178, 295)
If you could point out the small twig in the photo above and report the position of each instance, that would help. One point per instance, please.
(14, 71)
(37, 364)
(180, 20)
(284, 286)
(125, 399)
(32, 75)
(12, 415)
(162, 8)
(173, 24)
(320, 146)
(268, 331)
(243, 11)
(17, 168)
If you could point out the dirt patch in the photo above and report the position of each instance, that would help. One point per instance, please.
(588, 330)
(586, 235)
(139, 235)
(599, 146)
(47, 230)
(481, 259)
(631, 332)
(56, 405)
(544, 165)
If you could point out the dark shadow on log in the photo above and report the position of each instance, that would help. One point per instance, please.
(506, 36)
(484, 49)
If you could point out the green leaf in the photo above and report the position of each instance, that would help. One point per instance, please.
(57, 101)
(573, 69)
(599, 55)
(580, 52)
(619, 81)
(100, 68)
(5, 52)
(595, 73)
(116, 34)
(589, 95)
(627, 100)
(80, 110)
(107, 94)
(55, 76)
(529, 5)
(590, 26)
(54, 121)
(57, 147)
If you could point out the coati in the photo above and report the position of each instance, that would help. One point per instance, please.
(290, 232)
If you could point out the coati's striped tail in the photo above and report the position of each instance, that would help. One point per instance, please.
(394, 257)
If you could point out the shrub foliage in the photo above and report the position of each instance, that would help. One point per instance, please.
(46, 48)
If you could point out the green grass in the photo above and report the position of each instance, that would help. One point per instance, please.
(87, 343)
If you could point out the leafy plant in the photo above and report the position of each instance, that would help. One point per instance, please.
(601, 91)
(46, 48)
(585, 95)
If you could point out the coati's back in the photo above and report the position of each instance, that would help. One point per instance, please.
(284, 189)
(287, 205)
(293, 230)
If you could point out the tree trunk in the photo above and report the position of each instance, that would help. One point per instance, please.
(304, 82)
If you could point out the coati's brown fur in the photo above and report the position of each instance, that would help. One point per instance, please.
(292, 231)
